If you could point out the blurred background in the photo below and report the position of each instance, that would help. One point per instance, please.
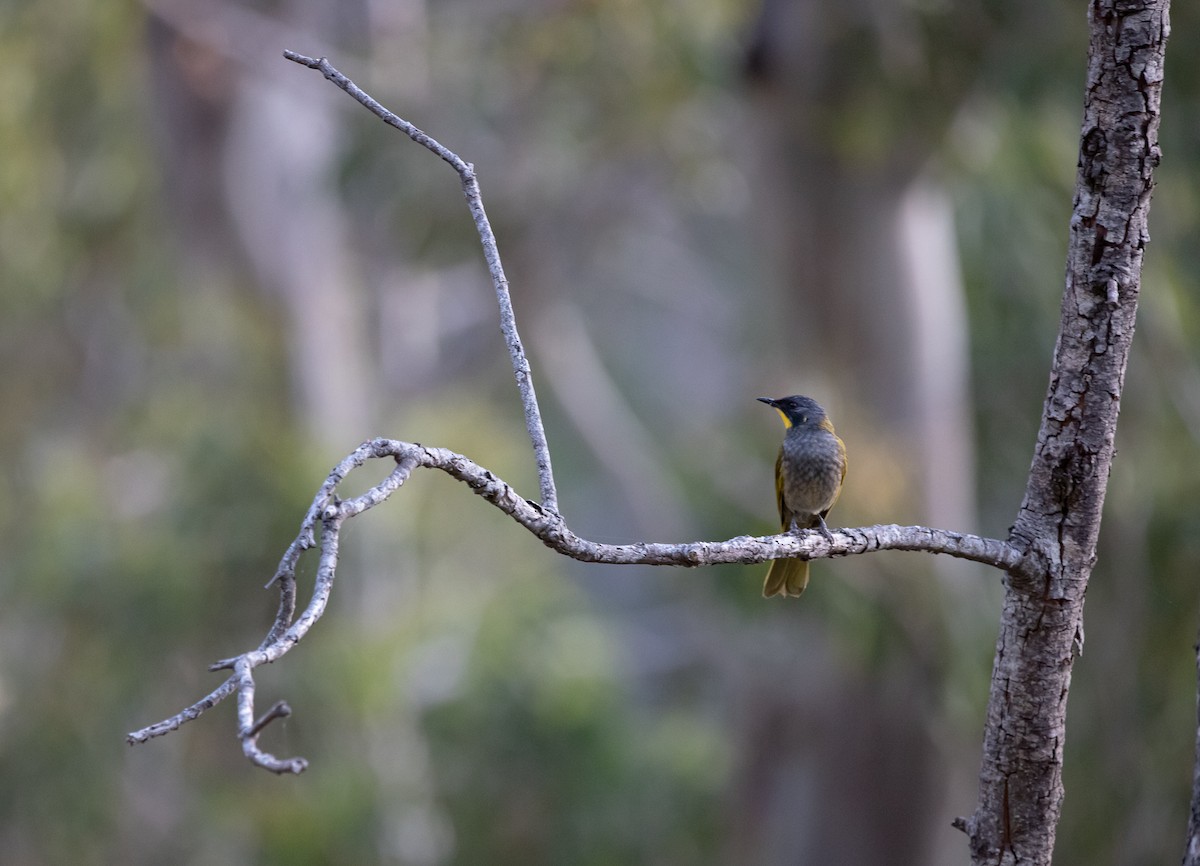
(219, 274)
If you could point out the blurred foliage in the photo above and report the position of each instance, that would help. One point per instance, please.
(470, 698)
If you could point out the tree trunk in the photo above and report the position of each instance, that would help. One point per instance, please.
(1041, 627)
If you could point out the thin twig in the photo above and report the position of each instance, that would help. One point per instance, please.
(508, 321)
(279, 710)
(185, 715)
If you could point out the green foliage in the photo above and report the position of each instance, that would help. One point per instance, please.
(543, 719)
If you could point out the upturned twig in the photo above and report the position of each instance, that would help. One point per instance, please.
(508, 321)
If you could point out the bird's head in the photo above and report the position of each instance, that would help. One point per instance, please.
(798, 411)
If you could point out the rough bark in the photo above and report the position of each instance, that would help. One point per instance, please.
(1041, 627)
(1191, 851)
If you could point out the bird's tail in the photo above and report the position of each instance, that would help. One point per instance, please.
(787, 577)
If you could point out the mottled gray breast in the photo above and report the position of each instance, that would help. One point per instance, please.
(812, 470)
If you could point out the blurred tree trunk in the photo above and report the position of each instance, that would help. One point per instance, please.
(870, 307)
(861, 314)
(278, 208)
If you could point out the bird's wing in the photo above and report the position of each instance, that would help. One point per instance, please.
(785, 516)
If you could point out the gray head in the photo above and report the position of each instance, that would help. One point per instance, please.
(797, 410)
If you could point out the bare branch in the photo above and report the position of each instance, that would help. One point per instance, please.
(508, 321)
(551, 529)
(185, 715)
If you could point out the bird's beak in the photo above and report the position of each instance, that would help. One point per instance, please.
(766, 400)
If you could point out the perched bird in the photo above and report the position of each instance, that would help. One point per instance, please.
(808, 479)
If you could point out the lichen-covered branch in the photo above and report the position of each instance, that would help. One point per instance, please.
(508, 321)
(328, 512)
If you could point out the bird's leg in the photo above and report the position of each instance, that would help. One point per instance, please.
(823, 529)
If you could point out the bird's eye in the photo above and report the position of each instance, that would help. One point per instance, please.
(803, 419)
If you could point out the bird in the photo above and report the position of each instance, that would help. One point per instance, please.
(809, 472)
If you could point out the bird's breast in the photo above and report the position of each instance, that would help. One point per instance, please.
(812, 468)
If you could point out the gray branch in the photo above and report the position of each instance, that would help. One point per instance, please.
(508, 321)
(329, 512)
